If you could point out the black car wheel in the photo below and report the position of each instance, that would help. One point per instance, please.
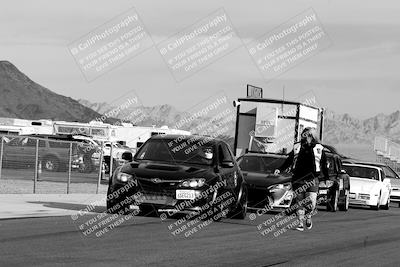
(241, 209)
(333, 200)
(345, 205)
(109, 205)
(387, 205)
(147, 210)
(113, 205)
(50, 163)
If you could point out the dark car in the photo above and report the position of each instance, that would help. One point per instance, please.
(266, 190)
(53, 151)
(20, 152)
(334, 192)
(176, 174)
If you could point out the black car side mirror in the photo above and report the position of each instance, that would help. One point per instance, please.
(127, 156)
(227, 164)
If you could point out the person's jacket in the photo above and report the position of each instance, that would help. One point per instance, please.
(307, 161)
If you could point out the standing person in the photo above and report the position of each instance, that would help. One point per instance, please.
(308, 161)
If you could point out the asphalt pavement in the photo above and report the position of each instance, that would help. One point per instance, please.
(359, 237)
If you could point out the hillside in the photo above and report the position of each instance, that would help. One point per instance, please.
(157, 115)
(345, 129)
(23, 98)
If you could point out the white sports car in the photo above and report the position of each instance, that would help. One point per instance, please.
(369, 186)
(395, 183)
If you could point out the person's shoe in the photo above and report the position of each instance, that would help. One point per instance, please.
(308, 223)
(300, 227)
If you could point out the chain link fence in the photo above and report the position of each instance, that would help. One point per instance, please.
(48, 165)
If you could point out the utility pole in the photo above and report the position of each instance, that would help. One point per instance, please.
(283, 98)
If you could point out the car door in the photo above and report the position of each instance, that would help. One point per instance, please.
(385, 185)
(344, 177)
(11, 150)
(393, 177)
(228, 173)
(28, 151)
(332, 168)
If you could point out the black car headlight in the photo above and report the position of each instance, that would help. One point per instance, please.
(124, 177)
(278, 187)
(193, 183)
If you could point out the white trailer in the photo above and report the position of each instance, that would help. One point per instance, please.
(135, 136)
(272, 125)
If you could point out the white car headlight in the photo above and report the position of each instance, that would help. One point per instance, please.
(194, 182)
(329, 183)
(364, 196)
(123, 177)
(277, 187)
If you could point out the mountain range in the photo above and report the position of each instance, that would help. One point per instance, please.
(338, 128)
(20, 97)
(23, 98)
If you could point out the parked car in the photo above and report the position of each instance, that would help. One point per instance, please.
(90, 147)
(117, 151)
(87, 156)
(369, 186)
(176, 174)
(266, 190)
(389, 173)
(334, 192)
(20, 152)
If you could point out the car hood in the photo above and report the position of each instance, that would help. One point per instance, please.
(395, 183)
(362, 185)
(166, 171)
(264, 180)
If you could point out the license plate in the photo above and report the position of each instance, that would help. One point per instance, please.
(185, 194)
(155, 199)
(323, 192)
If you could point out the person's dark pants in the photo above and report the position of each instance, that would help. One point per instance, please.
(306, 197)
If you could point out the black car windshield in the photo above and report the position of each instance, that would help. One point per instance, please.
(362, 172)
(261, 164)
(166, 150)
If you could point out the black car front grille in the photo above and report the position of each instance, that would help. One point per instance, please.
(164, 188)
(159, 193)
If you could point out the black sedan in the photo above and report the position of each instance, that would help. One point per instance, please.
(180, 174)
(265, 189)
(334, 192)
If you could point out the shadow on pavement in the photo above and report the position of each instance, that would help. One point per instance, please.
(69, 206)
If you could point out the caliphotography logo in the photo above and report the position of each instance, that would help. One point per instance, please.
(296, 40)
(199, 45)
(110, 44)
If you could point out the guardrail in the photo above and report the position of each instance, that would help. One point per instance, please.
(47, 165)
(387, 152)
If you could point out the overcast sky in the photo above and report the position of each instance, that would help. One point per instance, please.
(357, 74)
